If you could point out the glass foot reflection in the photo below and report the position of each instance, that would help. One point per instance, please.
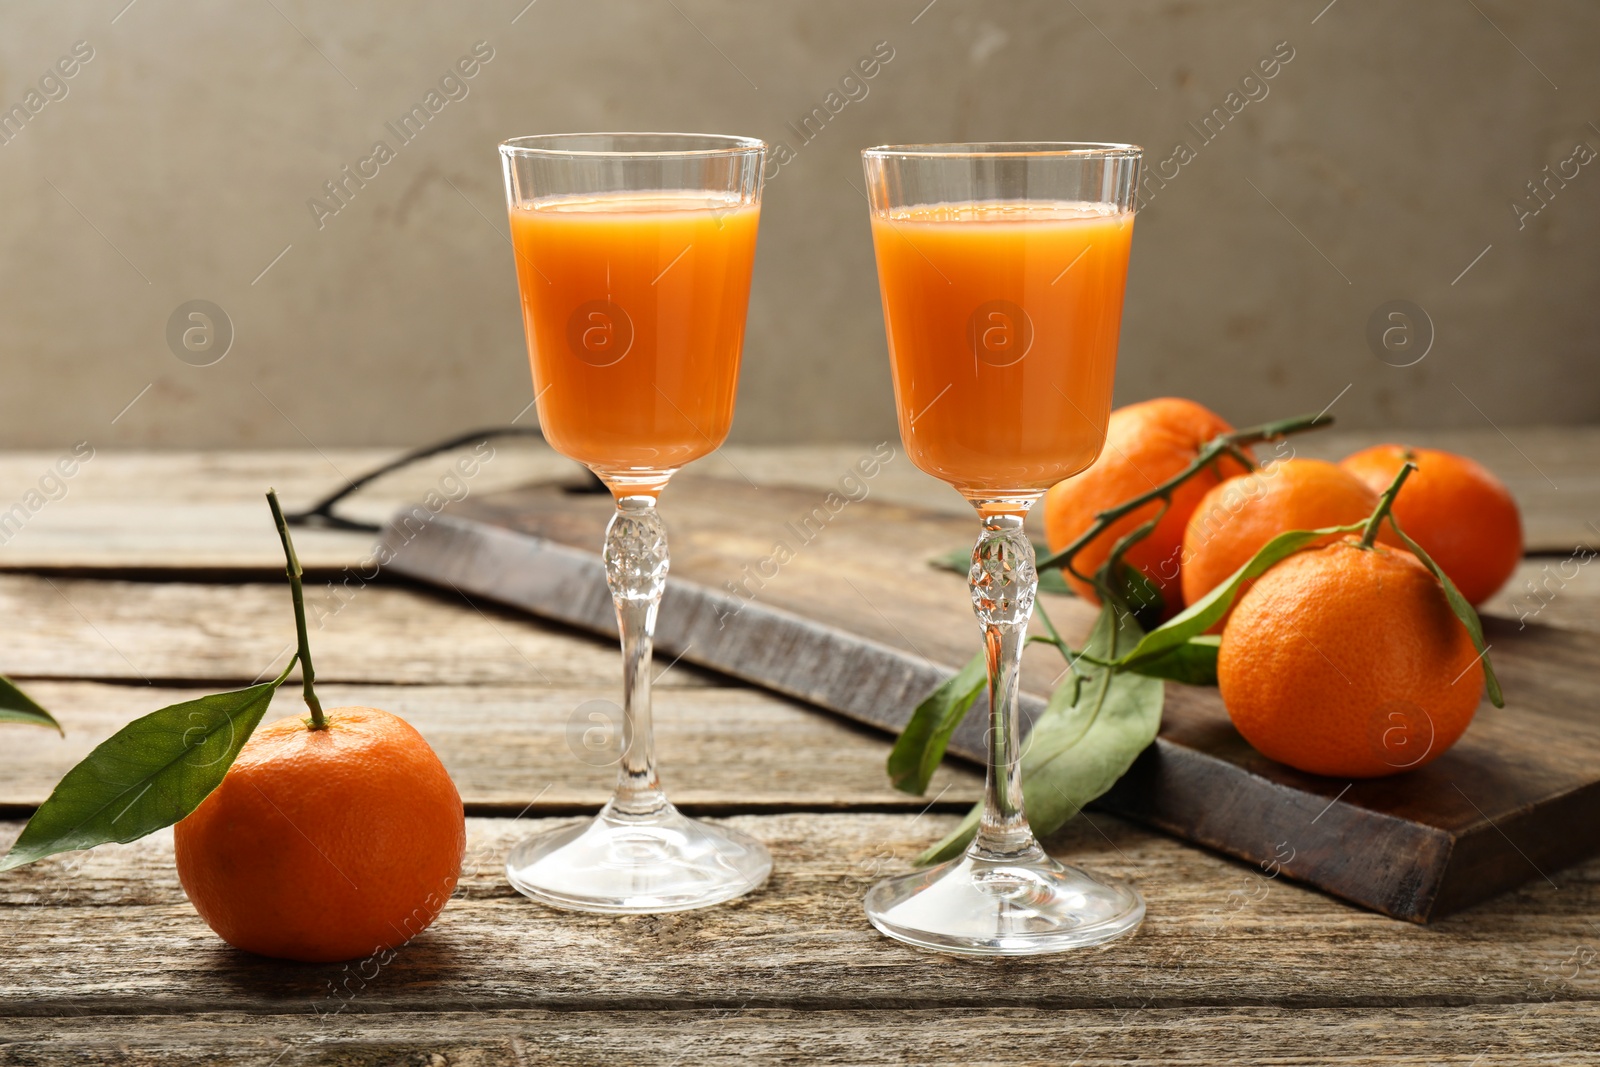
(631, 864)
(1003, 908)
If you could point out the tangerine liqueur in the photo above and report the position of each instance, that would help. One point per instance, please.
(633, 256)
(1002, 321)
(634, 307)
(1001, 268)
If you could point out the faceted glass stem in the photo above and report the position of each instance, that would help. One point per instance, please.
(1004, 896)
(1004, 582)
(636, 565)
(640, 854)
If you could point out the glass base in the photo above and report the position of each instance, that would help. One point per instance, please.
(630, 865)
(1003, 908)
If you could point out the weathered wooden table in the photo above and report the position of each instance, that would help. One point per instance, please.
(158, 574)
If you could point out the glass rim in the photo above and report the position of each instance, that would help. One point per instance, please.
(1006, 150)
(547, 144)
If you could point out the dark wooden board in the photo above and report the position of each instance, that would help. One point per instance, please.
(834, 602)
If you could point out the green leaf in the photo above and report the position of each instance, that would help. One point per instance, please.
(1090, 732)
(920, 747)
(147, 775)
(1193, 663)
(1050, 579)
(1463, 610)
(1141, 595)
(1199, 617)
(17, 706)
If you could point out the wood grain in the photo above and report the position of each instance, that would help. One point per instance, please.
(212, 514)
(141, 630)
(1559, 591)
(212, 517)
(109, 932)
(1486, 1036)
(840, 619)
(540, 750)
(104, 961)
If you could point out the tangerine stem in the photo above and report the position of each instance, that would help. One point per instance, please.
(307, 674)
(1385, 503)
(1226, 443)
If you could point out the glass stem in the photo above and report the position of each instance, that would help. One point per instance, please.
(636, 570)
(1004, 581)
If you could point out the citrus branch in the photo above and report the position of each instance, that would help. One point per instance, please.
(307, 675)
(1223, 444)
(1385, 503)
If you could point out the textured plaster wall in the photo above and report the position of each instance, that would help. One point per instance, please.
(1382, 161)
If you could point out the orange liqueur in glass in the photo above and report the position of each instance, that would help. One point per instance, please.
(1002, 323)
(1002, 267)
(634, 306)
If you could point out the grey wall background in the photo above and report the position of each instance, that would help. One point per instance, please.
(1382, 163)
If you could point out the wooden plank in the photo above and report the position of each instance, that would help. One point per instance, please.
(544, 750)
(377, 633)
(204, 510)
(109, 932)
(873, 679)
(1561, 591)
(186, 511)
(1487, 1036)
(831, 601)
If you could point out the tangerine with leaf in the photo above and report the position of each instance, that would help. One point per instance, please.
(1352, 659)
(1455, 508)
(331, 837)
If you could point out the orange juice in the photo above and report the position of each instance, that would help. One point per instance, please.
(1002, 321)
(634, 307)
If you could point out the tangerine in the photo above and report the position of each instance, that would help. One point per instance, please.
(1146, 443)
(325, 844)
(1461, 514)
(1236, 518)
(1348, 661)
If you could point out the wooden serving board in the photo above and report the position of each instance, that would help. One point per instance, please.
(832, 601)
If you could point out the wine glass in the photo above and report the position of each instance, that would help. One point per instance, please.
(633, 255)
(1002, 268)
